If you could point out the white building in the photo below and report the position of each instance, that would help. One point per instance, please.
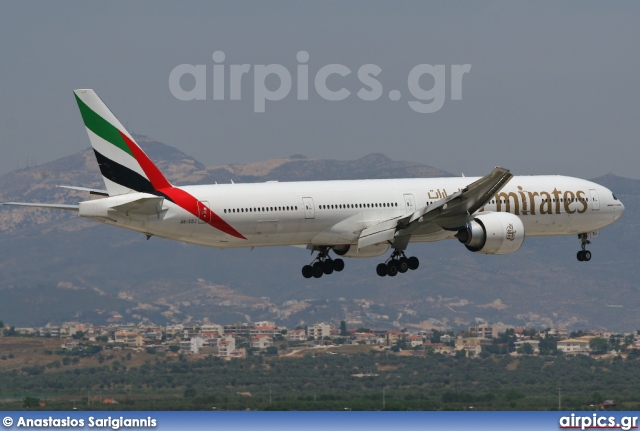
(212, 327)
(297, 335)
(261, 341)
(415, 340)
(320, 330)
(574, 346)
(485, 331)
(226, 346)
(192, 346)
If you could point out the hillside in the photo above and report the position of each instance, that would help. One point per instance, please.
(47, 255)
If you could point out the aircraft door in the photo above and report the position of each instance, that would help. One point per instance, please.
(204, 214)
(594, 199)
(409, 203)
(309, 211)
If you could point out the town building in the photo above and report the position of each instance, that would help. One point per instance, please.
(575, 346)
(192, 346)
(226, 346)
(296, 335)
(261, 341)
(485, 331)
(320, 330)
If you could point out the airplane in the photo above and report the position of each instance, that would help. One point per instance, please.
(352, 219)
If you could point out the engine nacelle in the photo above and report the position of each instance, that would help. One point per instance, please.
(351, 250)
(493, 233)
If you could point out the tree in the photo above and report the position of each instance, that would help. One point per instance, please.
(174, 348)
(596, 398)
(633, 354)
(526, 349)
(272, 350)
(548, 346)
(343, 329)
(598, 345)
(29, 402)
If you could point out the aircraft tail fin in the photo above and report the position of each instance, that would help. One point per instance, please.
(124, 166)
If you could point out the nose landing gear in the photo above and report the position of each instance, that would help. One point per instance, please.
(584, 255)
(322, 264)
(397, 263)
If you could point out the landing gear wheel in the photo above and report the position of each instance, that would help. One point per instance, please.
(392, 268)
(318, 269)
(413, 263)
(403, 265)
(398, 262)
(322, 264)
(307, 271)
(327, 267)
(584, 255)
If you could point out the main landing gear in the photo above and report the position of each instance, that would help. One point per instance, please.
(397, 263)
(584, 255)
(322, 264)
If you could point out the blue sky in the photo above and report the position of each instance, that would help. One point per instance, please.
(553, 88)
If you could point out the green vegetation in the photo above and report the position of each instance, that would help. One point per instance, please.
(327, 382)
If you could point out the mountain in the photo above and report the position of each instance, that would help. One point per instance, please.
(56, 267)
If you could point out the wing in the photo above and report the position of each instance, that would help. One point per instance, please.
(449, 213)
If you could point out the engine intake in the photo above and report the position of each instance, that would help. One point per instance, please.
(493, 233)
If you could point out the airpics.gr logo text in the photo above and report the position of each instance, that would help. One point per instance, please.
(274, 82)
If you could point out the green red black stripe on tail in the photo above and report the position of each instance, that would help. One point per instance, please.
(141, 174)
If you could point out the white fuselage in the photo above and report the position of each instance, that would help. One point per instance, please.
(335, 212)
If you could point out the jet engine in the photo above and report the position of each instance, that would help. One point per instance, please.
(351, 250)
(493, 233)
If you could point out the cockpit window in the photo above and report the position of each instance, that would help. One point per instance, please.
(614, 196)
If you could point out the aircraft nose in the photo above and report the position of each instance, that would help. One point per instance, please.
(619, 209)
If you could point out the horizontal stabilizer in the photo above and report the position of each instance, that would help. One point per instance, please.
(85, 189)
(142, 206)
(50, 206)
